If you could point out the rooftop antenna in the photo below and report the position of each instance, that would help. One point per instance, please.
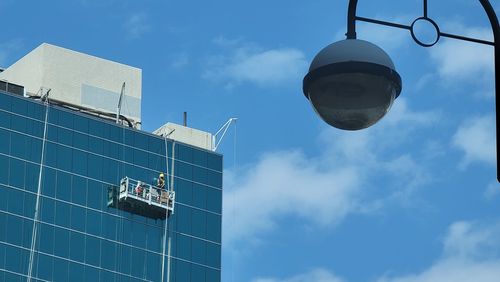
(119, 107)
(223, 129)
(185, 119)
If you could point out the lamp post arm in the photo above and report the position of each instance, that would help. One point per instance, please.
(496, 40)
(351, 19)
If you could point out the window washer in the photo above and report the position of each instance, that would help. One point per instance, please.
(160, 185)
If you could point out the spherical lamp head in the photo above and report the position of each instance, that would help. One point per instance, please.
(352, 84)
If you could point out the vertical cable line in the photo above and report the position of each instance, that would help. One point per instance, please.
(166, 229)
(39, 190)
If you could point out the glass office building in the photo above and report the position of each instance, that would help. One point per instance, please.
(80, 236)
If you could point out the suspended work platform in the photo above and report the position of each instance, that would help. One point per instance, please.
(141, 198)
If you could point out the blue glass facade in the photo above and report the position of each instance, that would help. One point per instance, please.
(79, 237)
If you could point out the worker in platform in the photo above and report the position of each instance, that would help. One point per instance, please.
(161, 181)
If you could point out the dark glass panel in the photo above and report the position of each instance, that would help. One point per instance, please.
(213, 255)
(16, 173)
(44, 267)
(214, 162)
(46, 238)
(81, 124)
(200, 196)
(62, 237)
(214, 178)
(213, 275)
(94, 195)
(76, 246)
(199, 223)
(109, 255)
(49, 182)
(198, 251)
(80, 141)
(214, 200)
(31, 178)
(182, 271)
(78, 215)
(92, 250)
(47, 210)
(79, 190)
(200, 158)
(199, 174)
(63, 186)
(184, 191)
(62, 214)
(76, 272)
(183, 247)
(213, 227)
(138, 258)
(183, 215)
(4, 139)
(93, 224)
(197, 273)
(80, 162)
(61, 270)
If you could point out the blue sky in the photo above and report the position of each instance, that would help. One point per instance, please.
(412, 199)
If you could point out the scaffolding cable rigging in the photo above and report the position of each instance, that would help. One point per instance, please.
(166, 229)
(44, 98)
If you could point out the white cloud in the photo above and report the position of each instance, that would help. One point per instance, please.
(470, 254)
(287, 183)
(316, 275)
(463, 60)
(179, 60)
(250, 63)
(476, 137)
(322, 190)
(492, 190)
(137, 25)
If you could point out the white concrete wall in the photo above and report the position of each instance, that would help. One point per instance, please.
(79, 79)
(186, 135)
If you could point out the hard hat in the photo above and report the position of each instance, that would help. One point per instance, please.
(161, 175)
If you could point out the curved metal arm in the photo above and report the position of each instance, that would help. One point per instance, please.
(490, 12)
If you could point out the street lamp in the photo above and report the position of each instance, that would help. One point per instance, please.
(352, 83)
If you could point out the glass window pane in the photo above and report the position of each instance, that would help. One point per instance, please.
(93, 223)
(4, 139)
(63, 186)
(76, 272)
(182, 271)
(183, 247)
(198, 251)
(76, 246)
(198, 273)
(49, 182)
(61, 236)
(16, 173)
(62, 214)
(79, 190)
(200, 196)
(92, 251)
(61, 270)
(109, 255)
(94, 195)
(213, 255)
(78, 215)
(79, 162)
(46, 241)
(199, 223)
(213, 227)
(214, 200)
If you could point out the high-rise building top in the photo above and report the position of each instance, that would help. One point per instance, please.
(79, 79)
(84, 198)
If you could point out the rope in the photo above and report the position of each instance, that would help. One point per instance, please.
(39, 190)
(166, 218)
